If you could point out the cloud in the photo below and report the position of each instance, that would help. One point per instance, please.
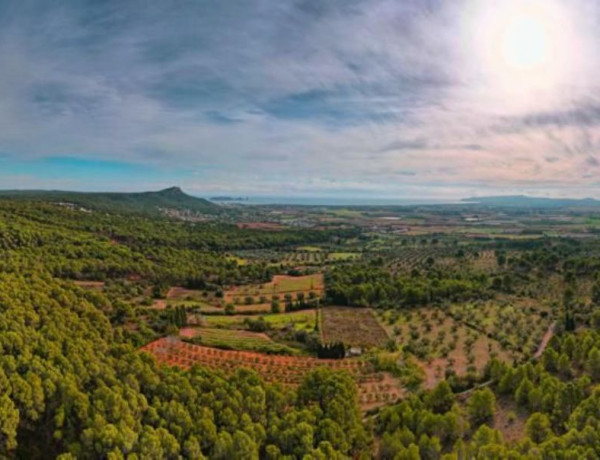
(360, 97)
(416, 144)
(592, 162)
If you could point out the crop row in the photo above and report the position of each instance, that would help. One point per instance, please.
(374, 388)
(412, 257)
(286, 369)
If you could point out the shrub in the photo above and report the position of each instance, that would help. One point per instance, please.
(481, 406)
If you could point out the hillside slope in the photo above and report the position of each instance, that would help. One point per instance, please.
(140, 202)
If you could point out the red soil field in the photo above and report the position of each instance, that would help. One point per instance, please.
(159, 304)
(375, 388)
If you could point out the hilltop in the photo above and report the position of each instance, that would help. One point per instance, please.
(137, 202)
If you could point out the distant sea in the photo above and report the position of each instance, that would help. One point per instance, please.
(334, 201)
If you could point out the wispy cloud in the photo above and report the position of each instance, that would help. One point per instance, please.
(377, 97)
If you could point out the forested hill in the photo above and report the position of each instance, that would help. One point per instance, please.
(140, 203)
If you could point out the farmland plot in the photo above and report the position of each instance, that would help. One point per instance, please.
(304, 319)
(440, 343)
(352, 326)
(179, 293)
(375, 388)
(233, 339)
(279, 287)
(343, 256)
(485, 261)
(517, 326)
(412, 257)
(444, 257)
(305, 258)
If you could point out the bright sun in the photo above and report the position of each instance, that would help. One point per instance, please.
(525, 43)
(521, 47)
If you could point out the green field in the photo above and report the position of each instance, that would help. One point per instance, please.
(281, 284)
(238, 260)
(234, 340)
(301, 320)
(341, 256)
(309, 249)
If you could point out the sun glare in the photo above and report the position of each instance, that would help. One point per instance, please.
(522, 48)
(525, 43)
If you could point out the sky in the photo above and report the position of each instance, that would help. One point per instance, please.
(350, 98)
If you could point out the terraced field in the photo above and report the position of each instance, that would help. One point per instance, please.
(279, 287)
(375, 388)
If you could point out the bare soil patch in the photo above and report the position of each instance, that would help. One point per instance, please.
(260, 226)
(179, 293)
(510, 420)
(352, 326)
(97, 285)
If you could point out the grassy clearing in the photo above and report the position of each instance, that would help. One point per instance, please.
(234, 340)
(342, 256)
(510, 419)
(304, 319)
(253, 309)
(348, 213)
(238, 260)
(283, 283)
(309, 249)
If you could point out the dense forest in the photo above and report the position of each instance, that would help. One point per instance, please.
(76, 245)
(366, 285)
(558, 392)
(71, 387)
(74, 385)
(141, 203)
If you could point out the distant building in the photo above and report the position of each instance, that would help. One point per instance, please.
(354, 351)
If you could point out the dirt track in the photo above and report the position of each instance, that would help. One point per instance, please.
(544, 343)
